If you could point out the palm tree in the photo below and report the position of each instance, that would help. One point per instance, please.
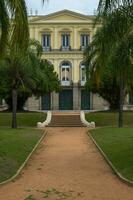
(15, 30)
(16, 69)
(112, 47)
(106, 7)
(26, 72)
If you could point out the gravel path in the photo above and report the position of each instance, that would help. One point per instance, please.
(66, 166)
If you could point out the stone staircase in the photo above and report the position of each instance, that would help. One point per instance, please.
(60, 119)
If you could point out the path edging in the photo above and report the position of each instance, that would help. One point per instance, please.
(46, 122)
(130, 183)
(85, 122)
(25, 162)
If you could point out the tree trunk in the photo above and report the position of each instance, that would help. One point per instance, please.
(14, 108)
(120, 122)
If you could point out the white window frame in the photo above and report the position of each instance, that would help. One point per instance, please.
(65, 41)
(84, 40)
(46, 37)
(66, 82)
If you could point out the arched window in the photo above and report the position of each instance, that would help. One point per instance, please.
(82, 74)
(65, 73)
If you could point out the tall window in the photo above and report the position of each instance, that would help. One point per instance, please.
(84, 41)
(65, 41)
(46, 42)
(65, 73)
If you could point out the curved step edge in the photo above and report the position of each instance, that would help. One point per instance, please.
(86, 123)
(46, 122)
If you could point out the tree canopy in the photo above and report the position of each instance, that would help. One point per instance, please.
(112, 47)
(22, 75)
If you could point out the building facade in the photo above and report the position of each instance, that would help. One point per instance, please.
(64, 35)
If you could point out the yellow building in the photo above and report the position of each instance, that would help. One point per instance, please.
(64, 35)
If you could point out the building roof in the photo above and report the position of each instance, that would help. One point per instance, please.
(60, 16)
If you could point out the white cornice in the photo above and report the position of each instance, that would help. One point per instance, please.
(79, 18)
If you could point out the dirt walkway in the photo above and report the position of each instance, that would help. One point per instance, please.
(67, 166)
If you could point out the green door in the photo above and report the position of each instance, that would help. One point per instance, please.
(66, 100)
(85, 100)
(46, 102)
(131, 99)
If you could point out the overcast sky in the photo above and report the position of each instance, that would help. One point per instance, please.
(81, 6)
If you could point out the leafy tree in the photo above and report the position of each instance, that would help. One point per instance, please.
(25, 74)
(112, 46)
(23, 94)
(44, 79)
(107, 88)
(14, 39)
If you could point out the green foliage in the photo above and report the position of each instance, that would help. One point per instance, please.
(106, 7)
(46, 79)
(107, 88)
(29, 74)
(117, 145)
(15, 30)
(112, 47)
(22, 95)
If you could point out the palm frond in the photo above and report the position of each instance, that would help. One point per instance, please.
(106, 7)
(4, 24)
(20, 31)
(109, 44)
(35, 47)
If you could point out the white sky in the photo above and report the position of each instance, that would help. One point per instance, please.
(81, 6)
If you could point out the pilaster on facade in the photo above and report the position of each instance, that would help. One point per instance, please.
(55, 101)
(56, 66)
(76, 97)
(75, 38)
(55, 38)
(76, 68)
(32, 33)
(37, 33)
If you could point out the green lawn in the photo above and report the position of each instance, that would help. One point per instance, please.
(26, 119)
(117, 144)
(15, 146)
(109, 118)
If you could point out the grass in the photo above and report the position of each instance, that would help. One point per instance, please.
(110, 118)
(117, 144)
(26, 119)
(15, 146)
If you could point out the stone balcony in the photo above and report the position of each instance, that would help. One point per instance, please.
(66, 83)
